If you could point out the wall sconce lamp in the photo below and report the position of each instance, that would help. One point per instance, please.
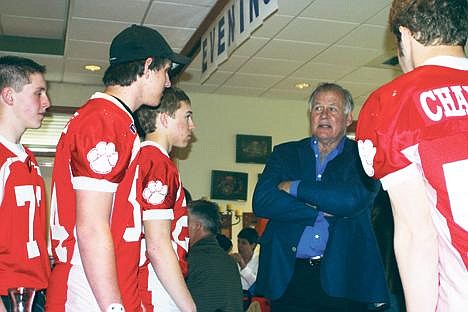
(233, 216)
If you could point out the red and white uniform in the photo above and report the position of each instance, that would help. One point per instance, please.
(154, 193)
(418, 125)
(93, 153)
(23, 248)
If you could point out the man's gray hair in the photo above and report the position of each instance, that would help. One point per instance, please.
(329, 86)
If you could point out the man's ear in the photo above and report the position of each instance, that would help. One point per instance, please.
(349, 119)
(8, 95)
(148, 62)
(406, 36)
(163, 119)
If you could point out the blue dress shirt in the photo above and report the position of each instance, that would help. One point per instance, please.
(314, 238)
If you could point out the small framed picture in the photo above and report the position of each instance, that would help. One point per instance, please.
(228, 185)
(252, 148)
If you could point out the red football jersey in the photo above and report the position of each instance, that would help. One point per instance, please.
(24, 261)
(418, 124)
(153, 192)
(93, 153)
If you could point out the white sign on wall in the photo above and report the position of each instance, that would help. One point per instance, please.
(230, 29)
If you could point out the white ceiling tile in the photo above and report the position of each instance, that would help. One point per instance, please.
(77, 66)
(251, 80)
(208, 3)
(176, 37)
(240, 91)
(271, 26)
(290, 50)
(314, 30)
(371, 75)
(87, 50)
(250, 46)
(381, 18)
(344, 10)
(94, 30)
(33, 27)
(218, 77)
(196, 87)
(55, 9)
(112, 10)
(292, 7)
(258, 65)
(321, 71)
(83, 79)
(358, 89)
(289, 94)
(369, 36)
(343, 55)
(233, 63)
(289, 84)
(177, 15)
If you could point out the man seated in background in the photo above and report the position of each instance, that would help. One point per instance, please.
(213, 278)
(246, 258)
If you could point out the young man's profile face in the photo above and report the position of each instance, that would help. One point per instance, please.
(32, 102)
(181, 125)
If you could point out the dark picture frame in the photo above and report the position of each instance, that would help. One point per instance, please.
(228, 185)
(252, 148)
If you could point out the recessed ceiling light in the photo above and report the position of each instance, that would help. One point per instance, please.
(92, 67)
(302, 85)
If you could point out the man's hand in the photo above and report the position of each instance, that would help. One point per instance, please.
(284, 186)
(238, 258)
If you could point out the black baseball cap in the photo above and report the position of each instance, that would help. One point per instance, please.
(139, 42)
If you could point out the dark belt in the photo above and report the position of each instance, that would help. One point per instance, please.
(311, 261)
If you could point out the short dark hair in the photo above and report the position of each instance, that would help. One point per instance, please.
(431, 22)
(207, 212)
(329, 86)
(249, 234)
(124, 74)
(15, 71)
(170, 102)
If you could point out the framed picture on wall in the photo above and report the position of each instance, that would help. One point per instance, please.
(228, 185)
(252, 148)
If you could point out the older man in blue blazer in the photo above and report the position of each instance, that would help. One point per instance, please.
(318, 251)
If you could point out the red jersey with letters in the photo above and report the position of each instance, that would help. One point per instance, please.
(24, 261)
(93, 153)
(154, 192)
(418, 124)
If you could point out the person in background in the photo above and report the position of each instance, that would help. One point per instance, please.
(318, 251)
(24, 261)
(413, 136)
(225, 242)
(94, 151)
(213, 278)
(151, 202)
(247, 259)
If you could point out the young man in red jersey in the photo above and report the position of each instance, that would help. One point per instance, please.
(93, 154)
(24, 261)
(413, 136)
(152, 195)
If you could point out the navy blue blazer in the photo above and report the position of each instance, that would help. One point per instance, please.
(352, 267)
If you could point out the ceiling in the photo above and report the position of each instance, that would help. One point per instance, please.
(304, 41)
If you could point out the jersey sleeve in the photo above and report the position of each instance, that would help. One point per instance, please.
(101, 151)
(386, 134)
(159, 190)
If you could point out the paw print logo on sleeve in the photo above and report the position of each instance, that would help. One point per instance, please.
(367, 153)
(155, 192)
(103, 157)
